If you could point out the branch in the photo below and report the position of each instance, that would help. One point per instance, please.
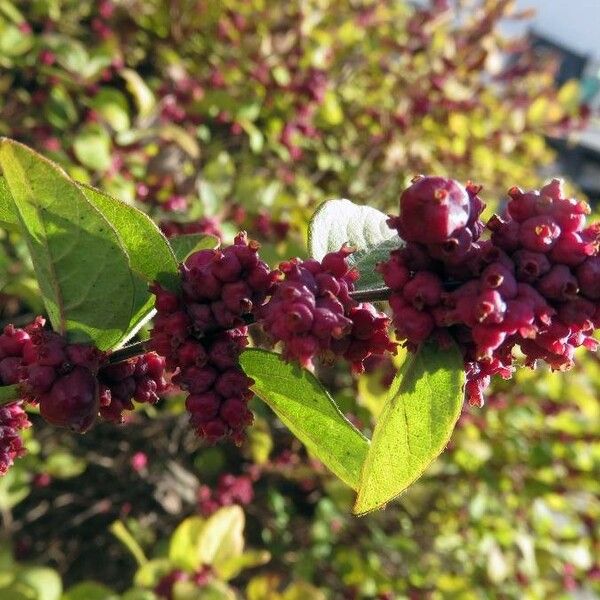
(374, 295)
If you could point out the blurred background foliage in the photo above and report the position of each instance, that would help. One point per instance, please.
(215, 116)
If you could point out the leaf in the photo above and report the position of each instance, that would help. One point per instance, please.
(215, 590)
(120, 531)
(92, 147)
(112, 105)
(337, 222)
(305, 407)
(423, 405)
(150, 573)
(233, 566)
(366, 261)
(144, 98)
(150, 255)
(89, 590)
(222, 537)
(43, 581)
(183, 547)
(7, 211)
(81, 266)
(9, 393)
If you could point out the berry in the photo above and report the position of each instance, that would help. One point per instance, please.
(431, 210)
(72, 401)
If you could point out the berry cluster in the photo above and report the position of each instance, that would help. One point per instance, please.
(231, 489)
(140, 378)
(13, 419)
(534, 284)
(219, 288)
(313, 313)
(59, 376)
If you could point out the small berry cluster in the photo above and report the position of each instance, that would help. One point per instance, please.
(219, 288)
(534, 284)
(13, 419)
(231, 489)
(313, 313)
(59, 376)
(140, 378)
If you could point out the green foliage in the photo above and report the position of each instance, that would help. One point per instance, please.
(302, 403)
(339, 222)
(423, 405)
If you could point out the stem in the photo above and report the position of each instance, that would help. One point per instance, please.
(128, 351)
(9, 393)
(374, 295)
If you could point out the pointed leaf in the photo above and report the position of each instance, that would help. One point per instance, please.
(305, 407)
(8, 216)
(150, 254)
(423, 405)
(81, 266)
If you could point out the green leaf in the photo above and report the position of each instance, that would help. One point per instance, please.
(424, 403)
(183, 547)
(138, 594)
(143, 96)
(233, 566)
(112, 105)
(8, 216)
(120, 531)
(64, 465)
(338, 222)
(90, 590)
(44, 582)
(81, 266)
(215, 590)
(8, 393)
(150, 573)
(305, 407)
(184, 245)
(92, 147)
(366, 261)
(222, 537)
(150, 255)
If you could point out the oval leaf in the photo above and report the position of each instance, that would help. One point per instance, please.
(183, 547)
(337, 222)
(423, 405)
(222, 537)
(81, 266)
(305, 407)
